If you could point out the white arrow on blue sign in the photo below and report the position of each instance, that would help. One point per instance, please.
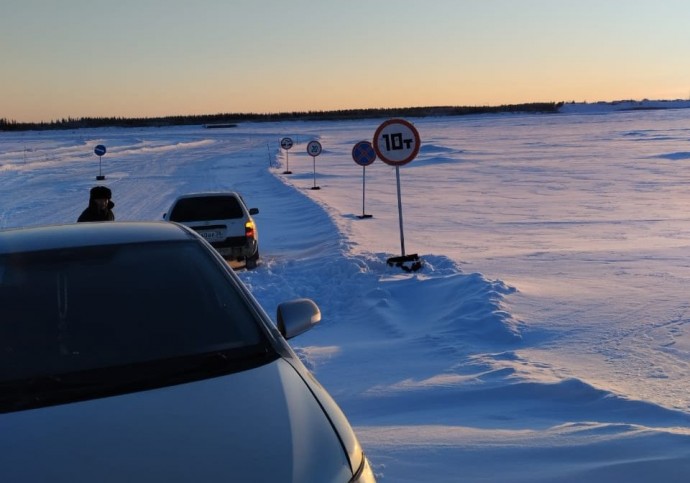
(99, 150)
(286, 143)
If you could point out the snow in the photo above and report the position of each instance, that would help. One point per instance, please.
(547, 336)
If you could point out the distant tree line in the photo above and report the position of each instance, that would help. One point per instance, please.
(229, 119)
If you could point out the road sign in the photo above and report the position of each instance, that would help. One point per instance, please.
(100, 151)
(396, 142)
(286, 143)
(314, 148)
(363, 153)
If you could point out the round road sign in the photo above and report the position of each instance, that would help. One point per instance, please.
(286, 143)
(99, 150)
(314, 148)
(363, 153)
(396, 142)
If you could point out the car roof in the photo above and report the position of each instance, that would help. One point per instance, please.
(209, 193)
(28, 239)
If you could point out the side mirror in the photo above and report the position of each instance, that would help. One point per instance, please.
(253, 211)
(297, 316)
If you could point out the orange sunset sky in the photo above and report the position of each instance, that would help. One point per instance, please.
(149, 58)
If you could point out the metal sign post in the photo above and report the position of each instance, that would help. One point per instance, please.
(363, 153)
(99, 151)
(314, 149)
(286, 144)
(397, 142)
(400, 217)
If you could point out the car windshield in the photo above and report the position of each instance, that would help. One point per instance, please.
(206, 208)
(73, 310)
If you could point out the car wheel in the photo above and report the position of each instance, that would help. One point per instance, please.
(252, 261)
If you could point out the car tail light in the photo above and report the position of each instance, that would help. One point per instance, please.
(249, 229)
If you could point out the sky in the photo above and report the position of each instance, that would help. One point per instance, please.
(149, 58)
(546, 337)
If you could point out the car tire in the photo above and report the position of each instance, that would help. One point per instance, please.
(253, 261)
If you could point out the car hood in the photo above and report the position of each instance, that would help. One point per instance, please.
(259, 425)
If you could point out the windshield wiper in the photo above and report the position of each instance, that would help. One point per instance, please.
(39, 391)
(222, 361)
(50, 390)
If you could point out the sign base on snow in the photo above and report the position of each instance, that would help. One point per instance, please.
(409, 263)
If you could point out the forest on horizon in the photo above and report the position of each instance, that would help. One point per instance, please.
(230, 119)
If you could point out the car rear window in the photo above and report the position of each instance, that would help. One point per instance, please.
(80, 309)
(206, 208)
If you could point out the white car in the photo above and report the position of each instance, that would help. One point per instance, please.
(224, 220)
(132, 352)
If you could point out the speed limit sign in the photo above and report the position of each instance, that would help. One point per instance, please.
(314, 148)
(396, 142)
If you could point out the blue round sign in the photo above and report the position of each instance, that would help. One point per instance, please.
(99, 150)
(363, 153)
(286, 143)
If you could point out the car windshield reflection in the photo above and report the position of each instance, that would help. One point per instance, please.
(105, 307)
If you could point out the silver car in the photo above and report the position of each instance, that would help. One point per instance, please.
(131, 351)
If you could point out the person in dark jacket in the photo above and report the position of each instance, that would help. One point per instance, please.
(100, 206)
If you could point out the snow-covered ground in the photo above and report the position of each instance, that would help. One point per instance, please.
(547, 336)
